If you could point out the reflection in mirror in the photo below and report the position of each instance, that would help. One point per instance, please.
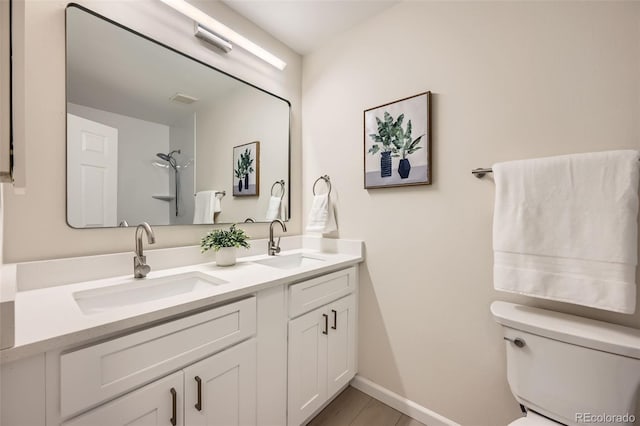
(156, 136)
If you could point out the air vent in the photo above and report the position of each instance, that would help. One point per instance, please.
(184, 99)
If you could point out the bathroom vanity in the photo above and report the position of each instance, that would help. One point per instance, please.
(267, 342)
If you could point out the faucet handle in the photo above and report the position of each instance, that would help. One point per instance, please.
(277, 247)
(140, 267)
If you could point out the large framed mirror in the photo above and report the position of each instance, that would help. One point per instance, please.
(155, 135)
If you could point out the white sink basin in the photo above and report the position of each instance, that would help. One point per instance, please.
(136, 291)
(291, 261)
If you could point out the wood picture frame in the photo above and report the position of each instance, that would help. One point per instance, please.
(397, 143)
(246, 170)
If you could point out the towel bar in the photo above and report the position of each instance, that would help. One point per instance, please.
(479, 173)
(220, 193)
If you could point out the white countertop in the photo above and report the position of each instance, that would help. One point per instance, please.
(49, 318)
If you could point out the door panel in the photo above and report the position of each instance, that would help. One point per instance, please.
(151, 405)
(341, 358)
(307, 365)
(226, 392)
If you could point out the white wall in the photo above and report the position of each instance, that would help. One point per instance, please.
(43, 143)
(510, 80)
(138, 178)
(269, 127)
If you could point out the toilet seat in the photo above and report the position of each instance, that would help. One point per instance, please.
(533, 419)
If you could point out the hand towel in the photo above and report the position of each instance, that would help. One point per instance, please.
(206, 205)
(565, 228)
(274, 210)
(322, 215)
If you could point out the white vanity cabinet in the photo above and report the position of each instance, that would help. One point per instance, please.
(322, 343)
(217, 391)
(273, 357)
(153, 372)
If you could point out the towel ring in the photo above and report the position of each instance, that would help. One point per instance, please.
(282, 189)
(326, 179)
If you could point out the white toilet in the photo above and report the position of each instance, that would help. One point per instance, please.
(570, 370)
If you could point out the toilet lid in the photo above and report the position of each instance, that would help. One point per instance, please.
(533, 419)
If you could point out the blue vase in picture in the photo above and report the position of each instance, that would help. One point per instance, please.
(240, 185)
(246, 181)
(404, 168)
(385, 164)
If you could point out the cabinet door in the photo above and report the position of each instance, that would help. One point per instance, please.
(307, 365)
(157, 404)
(341, 346)
(221, 390)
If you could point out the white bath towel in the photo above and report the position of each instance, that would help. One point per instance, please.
(206, 205)
(322, 215)
(274, 210)
(565, 228)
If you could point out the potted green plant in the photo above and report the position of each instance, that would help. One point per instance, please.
(225, 244)
(405, 146)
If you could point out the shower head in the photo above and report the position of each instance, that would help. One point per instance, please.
(169, 158)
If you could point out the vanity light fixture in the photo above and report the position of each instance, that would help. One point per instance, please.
(206, 35)
(223, 33)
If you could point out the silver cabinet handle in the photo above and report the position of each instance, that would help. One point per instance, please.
(517, 341)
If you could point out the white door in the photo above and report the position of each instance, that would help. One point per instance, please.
(157, 404)
(341, 349)
(307, 365)
(92, 173)
(221, 390)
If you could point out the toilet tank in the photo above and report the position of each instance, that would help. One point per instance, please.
(571, 369)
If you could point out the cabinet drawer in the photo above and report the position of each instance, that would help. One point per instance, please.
(311, 294)
(94, 374)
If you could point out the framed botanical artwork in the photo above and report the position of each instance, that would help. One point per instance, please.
(397, 143)
(246, 169)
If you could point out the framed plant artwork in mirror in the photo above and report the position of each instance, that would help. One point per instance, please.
(397, 143)
(246, 170)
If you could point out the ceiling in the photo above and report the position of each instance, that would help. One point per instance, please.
(304, 25)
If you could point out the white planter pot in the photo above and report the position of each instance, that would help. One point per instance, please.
(226, 256)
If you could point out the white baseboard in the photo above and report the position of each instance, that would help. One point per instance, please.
(402, 404)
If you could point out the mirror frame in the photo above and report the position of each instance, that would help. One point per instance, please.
(156, 42)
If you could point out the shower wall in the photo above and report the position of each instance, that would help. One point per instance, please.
(182, 136)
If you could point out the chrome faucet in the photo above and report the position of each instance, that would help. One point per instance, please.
(140, 267)
(274, 247)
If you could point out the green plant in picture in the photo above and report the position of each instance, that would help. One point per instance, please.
(221, 238)
(406, 145)
(247, 166)
(239, 172)
(386, 141)
(393, 141)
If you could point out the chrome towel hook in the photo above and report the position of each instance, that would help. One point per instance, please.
(326, 179)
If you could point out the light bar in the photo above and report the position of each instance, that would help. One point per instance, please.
(223, 32)
(206, 35)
